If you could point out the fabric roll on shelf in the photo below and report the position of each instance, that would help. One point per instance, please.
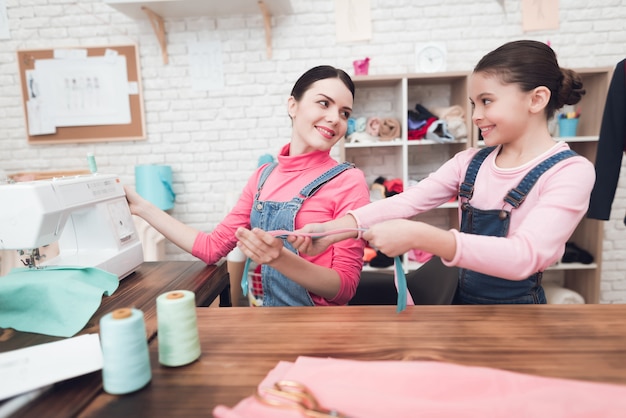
(154, 183)
(559, 295)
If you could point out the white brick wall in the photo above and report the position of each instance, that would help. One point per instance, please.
(212, 139)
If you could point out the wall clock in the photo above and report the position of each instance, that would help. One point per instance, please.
(431, 57)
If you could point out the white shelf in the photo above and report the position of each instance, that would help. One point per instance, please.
(412, 142)
(394, 143)
(578, 138)
(449, 205)
(573, 266)
(157, 10)
(569, 139)
(188, 8)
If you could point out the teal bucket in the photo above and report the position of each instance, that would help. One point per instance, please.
(154, 183)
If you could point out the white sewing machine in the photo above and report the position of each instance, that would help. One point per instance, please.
(87, 215)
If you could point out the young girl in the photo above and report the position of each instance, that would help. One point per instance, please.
(304, 186)
(520, 197)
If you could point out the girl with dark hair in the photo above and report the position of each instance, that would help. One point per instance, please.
(305, 185)
(520, 197)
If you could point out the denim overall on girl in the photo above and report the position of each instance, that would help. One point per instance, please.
(278, 290)
(479, 288)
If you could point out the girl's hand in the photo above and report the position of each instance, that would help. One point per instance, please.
(308, 245)
(260, 246)
(391, 237)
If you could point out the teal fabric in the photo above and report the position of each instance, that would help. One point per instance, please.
(57, 301)
(401, 283)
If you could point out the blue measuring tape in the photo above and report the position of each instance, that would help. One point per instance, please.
(402, 287)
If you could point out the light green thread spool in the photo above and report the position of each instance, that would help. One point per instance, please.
(91, 160)
(126, 360)
(179, 343)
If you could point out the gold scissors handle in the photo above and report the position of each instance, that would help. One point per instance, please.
(294, 395)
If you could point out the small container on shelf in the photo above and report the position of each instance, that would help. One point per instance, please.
(568, 123)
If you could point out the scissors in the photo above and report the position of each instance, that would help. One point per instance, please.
(293, 395)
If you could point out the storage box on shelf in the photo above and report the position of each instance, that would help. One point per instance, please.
(410, 160)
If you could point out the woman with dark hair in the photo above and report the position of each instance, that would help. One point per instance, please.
(305, 185)
(520, 197)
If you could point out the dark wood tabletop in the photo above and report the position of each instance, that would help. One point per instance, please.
(241, 345)
(139, 290)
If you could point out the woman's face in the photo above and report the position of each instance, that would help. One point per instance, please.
(320, 118)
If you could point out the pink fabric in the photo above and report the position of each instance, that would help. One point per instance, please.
(432, 389)
(539, 228)
(347, 191)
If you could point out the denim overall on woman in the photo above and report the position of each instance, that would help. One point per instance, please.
(479, 288)
(278, 290)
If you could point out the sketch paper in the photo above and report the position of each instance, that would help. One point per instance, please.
(40, 120)
(39, 115)
(33, 367)
(540, 15)
(205, 65)
(353, 20)
(85, 92)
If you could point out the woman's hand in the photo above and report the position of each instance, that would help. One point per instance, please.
(135, 201)
(259, 245)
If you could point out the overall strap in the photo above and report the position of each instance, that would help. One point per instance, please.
(264, 175)
(466, 189)
(516, 196)
(310, 189)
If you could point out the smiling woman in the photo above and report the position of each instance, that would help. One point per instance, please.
(304, 185)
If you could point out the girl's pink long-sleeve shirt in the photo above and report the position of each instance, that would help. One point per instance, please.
(345, 192)
(539, 228)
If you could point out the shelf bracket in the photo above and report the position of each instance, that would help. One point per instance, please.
(267, 17)
(159, 29)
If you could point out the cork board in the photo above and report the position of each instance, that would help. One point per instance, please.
(85, 131)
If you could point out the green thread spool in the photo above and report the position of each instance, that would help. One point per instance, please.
(125, 357)
(179, 343)
(91, 160)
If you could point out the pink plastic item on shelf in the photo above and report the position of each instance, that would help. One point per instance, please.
(361, 67)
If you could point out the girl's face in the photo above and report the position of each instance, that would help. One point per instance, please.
(320, 118)
(500, 111)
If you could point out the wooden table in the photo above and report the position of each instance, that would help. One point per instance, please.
(139, 290)
(241, 345)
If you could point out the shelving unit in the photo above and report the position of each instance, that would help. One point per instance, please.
(585, 278)
(412, 160)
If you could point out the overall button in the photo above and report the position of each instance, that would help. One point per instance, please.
(259, 206)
